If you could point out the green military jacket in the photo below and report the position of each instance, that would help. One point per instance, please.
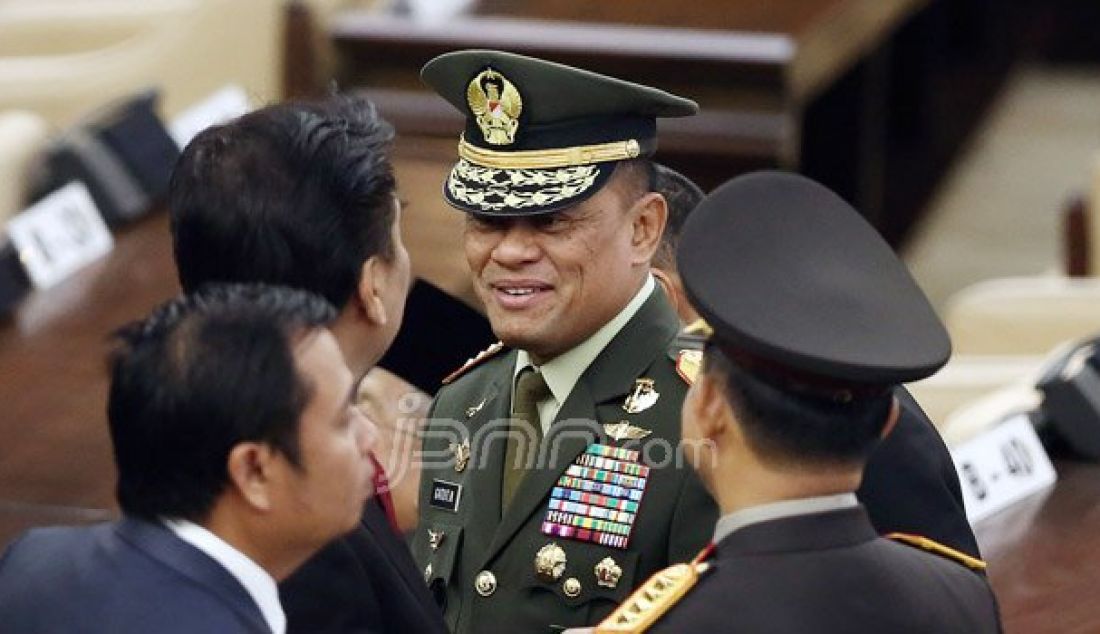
(481, 564)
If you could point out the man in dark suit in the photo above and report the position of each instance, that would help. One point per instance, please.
(783, 417)
(228, 478)
(519, 522)
(303, 194)
(913, 465)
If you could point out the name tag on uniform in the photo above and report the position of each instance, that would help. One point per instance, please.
(445, 495)
(597, 498)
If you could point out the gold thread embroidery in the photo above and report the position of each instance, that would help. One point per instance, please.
(497, 189)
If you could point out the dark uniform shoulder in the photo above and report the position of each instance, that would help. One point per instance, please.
(934, 547)
(472, 363)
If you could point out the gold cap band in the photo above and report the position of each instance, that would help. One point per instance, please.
(553, 158)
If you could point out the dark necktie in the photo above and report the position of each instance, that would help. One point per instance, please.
(525, 432)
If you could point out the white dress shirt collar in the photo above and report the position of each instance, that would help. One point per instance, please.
(778, 510)
(259, 584)
(563, 371)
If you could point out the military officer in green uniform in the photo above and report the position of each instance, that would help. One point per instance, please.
(554, 479)
(562, 224)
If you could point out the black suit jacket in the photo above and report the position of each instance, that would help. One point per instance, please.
(910, 484)
(130, 577)
(363, 582)
(829, 572)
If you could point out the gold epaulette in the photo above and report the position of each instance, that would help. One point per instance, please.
(653, 599)
(474, 362)
(933, 546)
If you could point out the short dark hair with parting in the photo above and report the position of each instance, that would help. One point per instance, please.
(682, 195)
(786, 426)
(201, 374)
(298, 194)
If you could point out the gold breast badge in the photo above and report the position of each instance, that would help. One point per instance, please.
(608, 573)
(461, 453)
(496, 105)
(623, 430)
(550, 562)
(642, 398)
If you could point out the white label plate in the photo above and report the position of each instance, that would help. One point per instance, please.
(227, 103)
(59, 234)
(1001, 467)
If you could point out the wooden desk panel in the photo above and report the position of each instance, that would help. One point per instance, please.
(1044, 555)
(53, 420)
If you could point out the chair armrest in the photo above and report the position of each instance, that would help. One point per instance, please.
(1023, 315)
(23, 136)
(60, 27)
(214, 43)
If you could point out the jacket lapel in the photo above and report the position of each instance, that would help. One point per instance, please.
(162, 545)
(611, 375)
(487, 429)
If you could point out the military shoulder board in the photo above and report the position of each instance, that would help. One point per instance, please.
(933, 546)
(653, 599)
(474, 362)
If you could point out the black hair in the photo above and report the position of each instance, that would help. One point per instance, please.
(682, 196)
(787, 426)
(202, 373)
(636, 177)
(298, 194)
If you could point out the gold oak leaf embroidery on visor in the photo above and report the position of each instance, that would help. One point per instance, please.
(494, 189)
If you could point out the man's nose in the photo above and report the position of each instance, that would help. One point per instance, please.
(366, 431)
(518, 244)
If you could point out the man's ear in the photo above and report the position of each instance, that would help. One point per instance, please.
(650, 213)
(712, 413)
(891, 418)
(371, 283)
(250, 467)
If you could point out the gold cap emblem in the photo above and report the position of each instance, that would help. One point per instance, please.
(550, 562)
(496, 105)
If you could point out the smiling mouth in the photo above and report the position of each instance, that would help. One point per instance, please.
(519, 294)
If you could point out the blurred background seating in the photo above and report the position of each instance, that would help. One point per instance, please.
(63, 58)
(23, 135)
